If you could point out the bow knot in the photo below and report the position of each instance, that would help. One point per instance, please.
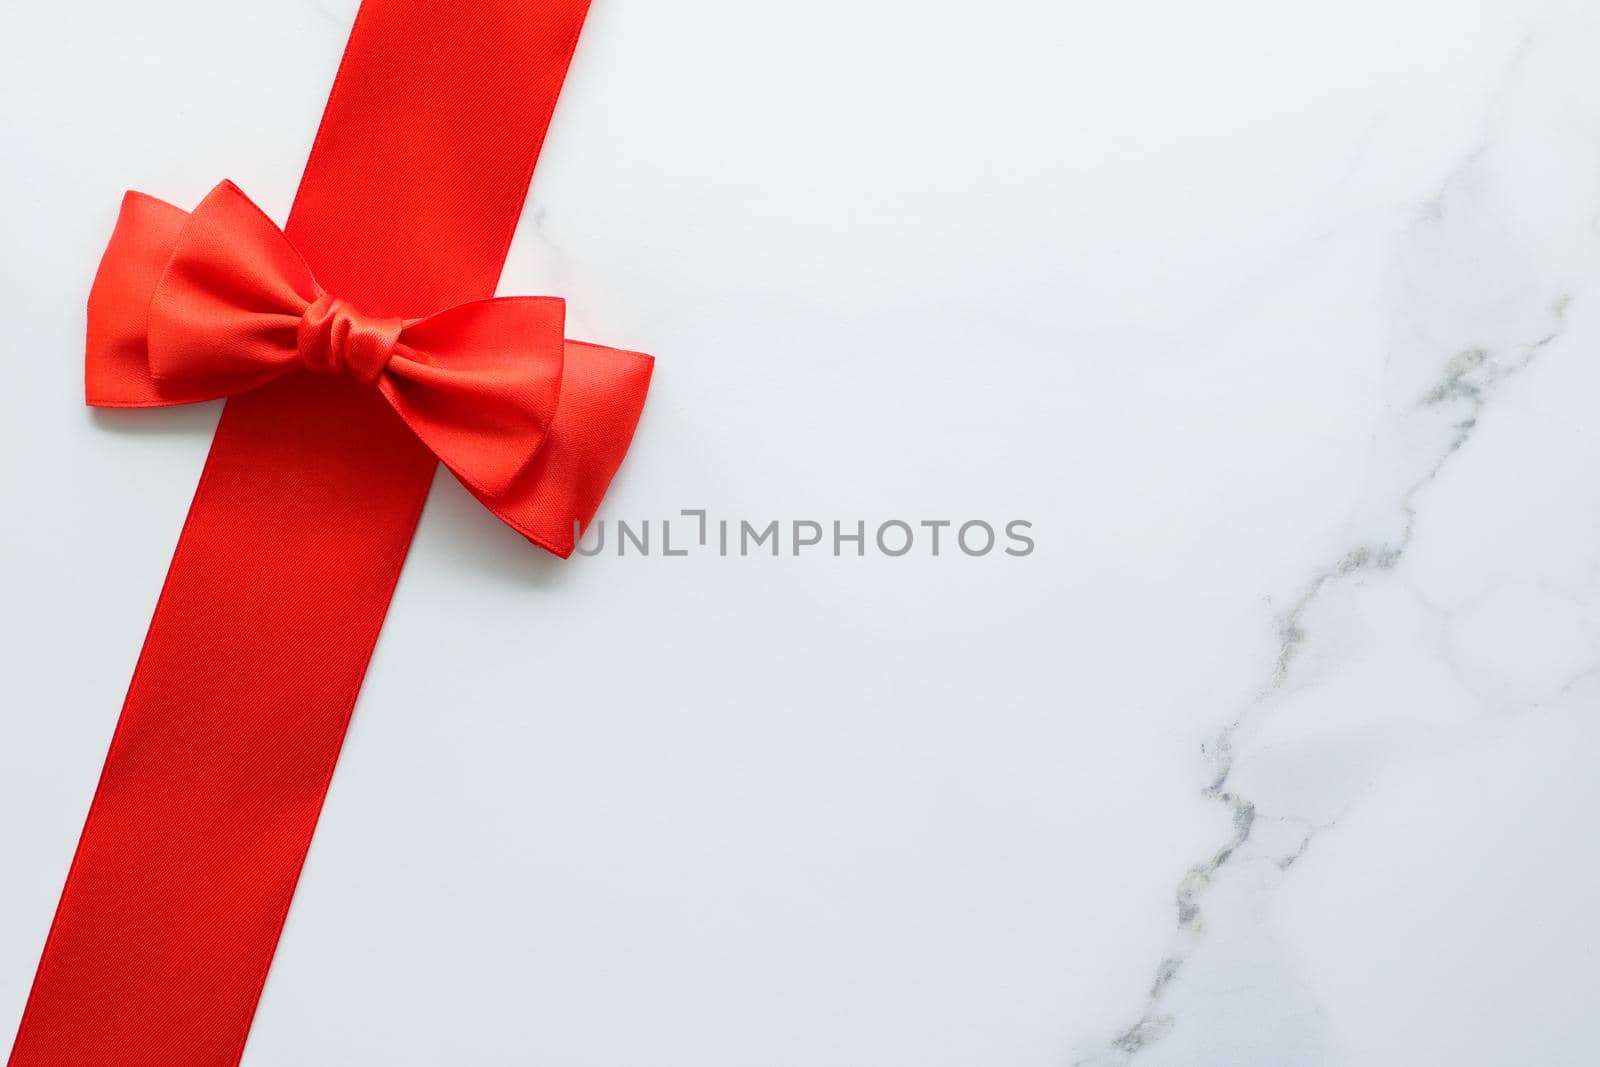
(195, 306)
(334, 338)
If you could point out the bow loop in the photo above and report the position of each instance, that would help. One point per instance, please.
(226, 306)
(189, 307)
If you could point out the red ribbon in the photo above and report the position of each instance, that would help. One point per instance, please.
(301, 522)
(195, 307)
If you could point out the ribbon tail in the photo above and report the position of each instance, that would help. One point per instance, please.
(555, 496)
(117, 364)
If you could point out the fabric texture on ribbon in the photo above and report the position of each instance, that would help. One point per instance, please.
(190, 307)
(299, 527)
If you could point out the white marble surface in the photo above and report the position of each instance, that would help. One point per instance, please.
(1280, 323)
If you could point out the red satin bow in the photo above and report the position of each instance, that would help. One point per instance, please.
(195, 306)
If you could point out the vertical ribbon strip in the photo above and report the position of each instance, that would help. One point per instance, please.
(289, 556)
